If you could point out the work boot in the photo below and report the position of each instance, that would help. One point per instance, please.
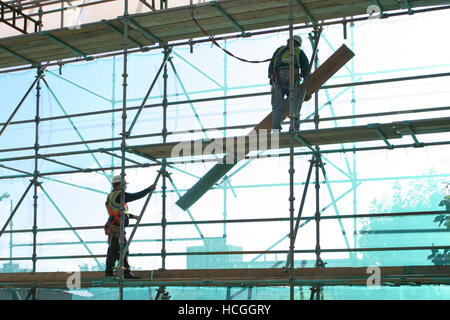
(127, 274)
(110, 274)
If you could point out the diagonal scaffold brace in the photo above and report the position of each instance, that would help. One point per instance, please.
(302, 203)
(17, 206)
(161, 171)
(38, 77)
(162, 293)
(161, 68)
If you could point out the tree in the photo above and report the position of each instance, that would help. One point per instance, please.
(442, 259)
(95, 267)
(381, 232)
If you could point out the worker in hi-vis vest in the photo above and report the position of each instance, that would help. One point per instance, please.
(112, 226)
(279, 80)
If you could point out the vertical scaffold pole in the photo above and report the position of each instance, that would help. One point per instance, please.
(352, 46)
(164, 161)
(291, 151)
(36, 168)
(113, 120)
(316, 94)
(318, 163)
(123, 148)
(315, 37)
(225, 92)
(318, 158)
(11, 243)
(317, 214)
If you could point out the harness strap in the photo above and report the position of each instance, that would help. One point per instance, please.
(277, 62)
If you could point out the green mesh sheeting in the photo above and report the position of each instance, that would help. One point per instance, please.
(255, 293)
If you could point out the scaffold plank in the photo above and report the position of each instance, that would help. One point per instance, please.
(410, 275)
(394, 130)
(176, 24)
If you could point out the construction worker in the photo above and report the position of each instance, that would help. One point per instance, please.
(279, 80)
(112, 226)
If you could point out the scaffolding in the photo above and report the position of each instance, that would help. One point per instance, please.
(161, 30)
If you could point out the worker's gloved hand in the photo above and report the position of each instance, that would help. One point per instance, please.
(152, 187)
(307, 98)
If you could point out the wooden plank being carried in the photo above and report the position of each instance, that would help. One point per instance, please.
(317, 79)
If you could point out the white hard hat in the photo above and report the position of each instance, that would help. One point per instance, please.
(117, 179)
(297, 39)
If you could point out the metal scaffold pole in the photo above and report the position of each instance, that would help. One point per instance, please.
(164, 161)
(291, 151)
(113, 106)
(36, 168)
(355, 177)
(316, 94)
(225, 93)
(123, 150)
(317, 164)
(11, 243)
(294, 113)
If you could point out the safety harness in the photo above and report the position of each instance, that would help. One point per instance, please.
(112, 227)
(281, 60)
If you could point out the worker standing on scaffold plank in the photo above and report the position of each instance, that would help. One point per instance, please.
(112, 227)
(279, 80)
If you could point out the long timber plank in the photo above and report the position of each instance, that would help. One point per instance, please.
(335, 62)
(316, 80)
(176, 24)
(411, 275)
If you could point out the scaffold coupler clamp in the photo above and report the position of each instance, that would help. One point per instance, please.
(119, 269)
(35, 180)
(320, 263)
(163, 171)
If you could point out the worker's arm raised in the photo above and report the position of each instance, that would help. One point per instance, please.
(138, 195)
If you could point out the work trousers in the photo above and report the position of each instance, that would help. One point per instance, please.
(280, 95)
(114, 254)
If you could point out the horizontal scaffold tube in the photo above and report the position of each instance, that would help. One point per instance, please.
(171, 163)
(237, 127)
(251, 95)
(253, 220)
(249, 252)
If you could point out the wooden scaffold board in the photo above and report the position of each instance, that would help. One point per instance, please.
(176, 24)
(410, 275)
(394, 130)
